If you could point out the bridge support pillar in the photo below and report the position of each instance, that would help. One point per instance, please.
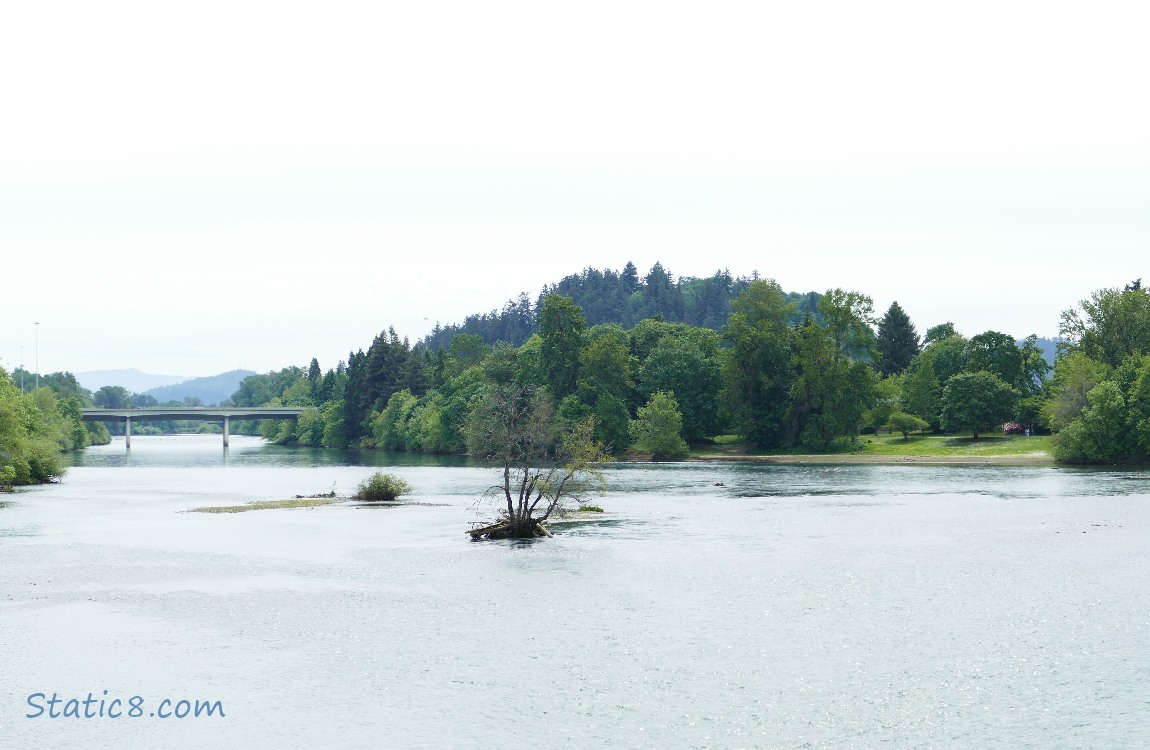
(127, 432)
(225, 430)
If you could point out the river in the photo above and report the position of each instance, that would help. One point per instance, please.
(712, 606)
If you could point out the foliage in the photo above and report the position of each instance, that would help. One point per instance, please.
(921, 391)
(542, 464)
(688, 363)
(939, 333)
(657, 428)
(1075, 375)
(381, 487)
(834, 384)
(849, 319)
(612, 423)
(1109, 326)
(977, 402)
(897, 341)
(887, 393)
(561, 328)
(605, 365)
(900, 421)
(34, 428)
(112, 397)
(1114, 426)
(756, 367)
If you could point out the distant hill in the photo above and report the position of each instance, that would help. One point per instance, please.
(134, 380)
(1049, 348)
(210, 390)
(622, 297)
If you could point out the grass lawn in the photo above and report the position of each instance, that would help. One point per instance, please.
(894, 445)
(951, 445)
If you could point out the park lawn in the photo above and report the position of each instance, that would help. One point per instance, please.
(954, 445)
(893, 445)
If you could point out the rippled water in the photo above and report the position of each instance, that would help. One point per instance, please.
(713, 606)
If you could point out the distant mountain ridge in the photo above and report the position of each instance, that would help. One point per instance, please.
(134, 380)
(210, 390)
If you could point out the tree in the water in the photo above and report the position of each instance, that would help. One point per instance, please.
(543, 464)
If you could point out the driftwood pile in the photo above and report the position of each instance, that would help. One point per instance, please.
(508, 528)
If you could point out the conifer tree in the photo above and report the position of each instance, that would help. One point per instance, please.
(897, 341)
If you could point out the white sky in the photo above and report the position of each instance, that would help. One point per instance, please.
(187, 189)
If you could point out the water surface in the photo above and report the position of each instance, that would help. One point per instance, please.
(713, 606)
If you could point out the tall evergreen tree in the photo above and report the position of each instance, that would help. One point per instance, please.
(897, 341)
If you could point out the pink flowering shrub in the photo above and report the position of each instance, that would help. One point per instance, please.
(1013, 428)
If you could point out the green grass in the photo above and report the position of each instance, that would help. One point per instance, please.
(893, 445)
(951, 445)
(268, 505)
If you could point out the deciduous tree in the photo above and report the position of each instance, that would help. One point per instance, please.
(976, 401)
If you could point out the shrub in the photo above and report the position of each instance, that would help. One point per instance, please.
(380, 486)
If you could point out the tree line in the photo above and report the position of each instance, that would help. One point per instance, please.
(38, 424)
(621, 297)
(808, 372)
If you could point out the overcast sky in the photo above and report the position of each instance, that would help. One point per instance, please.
(193, 188)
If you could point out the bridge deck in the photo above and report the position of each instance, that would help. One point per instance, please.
(201, 413)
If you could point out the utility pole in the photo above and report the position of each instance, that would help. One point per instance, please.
(37, 324)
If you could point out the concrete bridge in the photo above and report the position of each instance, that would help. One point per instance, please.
(200, 413)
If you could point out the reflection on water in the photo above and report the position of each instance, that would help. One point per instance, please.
(205, 451)
(711, 606)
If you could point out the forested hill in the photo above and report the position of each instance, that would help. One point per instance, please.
(208, 390)
(622, 297)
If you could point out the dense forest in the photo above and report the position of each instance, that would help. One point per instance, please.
(623, 298)
(731, 356)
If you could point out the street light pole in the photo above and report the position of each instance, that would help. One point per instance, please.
(37, 324)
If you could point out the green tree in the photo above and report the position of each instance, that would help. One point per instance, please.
(757, 370)
(900, 421)
(541, 466)
(940, 332)
(389, 427)
(897, 342)
(657, 428)
(1075, 375)
(1109, 326)
(691, 366)
(977, 401)
(561, 329)
(888, 397)
(997, 353)
(1114, 426)
(612, 422)
(921, 391)
(112, 397)
(1097, 436)
(849, 317)
(32, 434)
(605, 367)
